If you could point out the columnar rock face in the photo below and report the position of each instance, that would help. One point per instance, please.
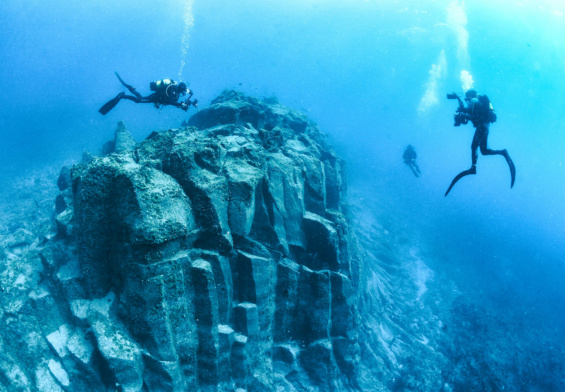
(212, 257)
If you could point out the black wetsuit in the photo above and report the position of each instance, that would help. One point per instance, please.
(409, 157)
(167, 93)
(480, 138)
(167, 96)
(477, 113)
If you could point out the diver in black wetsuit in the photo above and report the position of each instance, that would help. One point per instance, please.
(166, 92)
(480, 112)
(409, 157)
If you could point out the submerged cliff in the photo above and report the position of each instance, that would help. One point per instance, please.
(216, 256)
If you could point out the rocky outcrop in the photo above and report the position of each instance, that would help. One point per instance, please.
(221, 256)
(212, 257)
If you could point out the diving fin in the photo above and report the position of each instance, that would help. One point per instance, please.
(110, 104)
(130, 88)
(472, 170)
(512, 167)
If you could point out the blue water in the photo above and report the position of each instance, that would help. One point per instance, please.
(361, 70)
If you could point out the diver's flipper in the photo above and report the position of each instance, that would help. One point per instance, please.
(472, 170)
(110, 104)
(512, 167)
(130, 88)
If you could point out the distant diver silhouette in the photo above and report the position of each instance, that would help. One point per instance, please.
(166, 92)
(480, 112)
(409, 157)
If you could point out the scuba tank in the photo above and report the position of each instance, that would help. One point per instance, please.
(487, 110)
(161, 85)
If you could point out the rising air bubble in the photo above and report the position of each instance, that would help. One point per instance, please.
(457, 22)
(466, 80)
(188, 23)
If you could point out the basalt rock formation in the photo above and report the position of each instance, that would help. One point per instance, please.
(222, 256)
(214, 257)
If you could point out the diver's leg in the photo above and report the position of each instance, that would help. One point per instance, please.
(130, 88)
(474, 147)
(487, 151)
(414, 170)
(145, 100)
(135, 99)
(474, 156)
(483, 145)
(417, 168)
(156, 99)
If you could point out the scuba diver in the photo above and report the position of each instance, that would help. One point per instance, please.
(480, 112)
(166, 92)
(409, 157)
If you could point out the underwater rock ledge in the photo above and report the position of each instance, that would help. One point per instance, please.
(212, 257)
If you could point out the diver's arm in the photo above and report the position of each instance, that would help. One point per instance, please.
(467, 109)
(183, 105)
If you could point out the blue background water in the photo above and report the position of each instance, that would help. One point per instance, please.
(360, 69)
